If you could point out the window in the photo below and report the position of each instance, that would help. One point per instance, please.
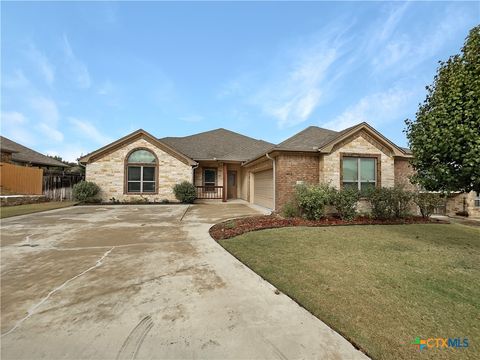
(141, 172)
(209, 179)
(359, 173)
(476, 201)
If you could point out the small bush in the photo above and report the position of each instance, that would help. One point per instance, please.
(401, 200)
(85, 191)
(382, 203)
(345, 202)
(291, 210)
(390, 203)
(185, 192)
(427, 202)
(313, 199)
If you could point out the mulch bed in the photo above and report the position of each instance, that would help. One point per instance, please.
(235, 227)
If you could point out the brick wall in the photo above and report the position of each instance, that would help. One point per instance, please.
(108, 173)
(292, 168)
(403, 170)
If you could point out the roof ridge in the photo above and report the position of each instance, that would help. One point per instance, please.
(217, 130)
(305, 130)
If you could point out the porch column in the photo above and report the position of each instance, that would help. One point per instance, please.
(224, 182)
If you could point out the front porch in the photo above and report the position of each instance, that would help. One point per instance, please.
(218, 180)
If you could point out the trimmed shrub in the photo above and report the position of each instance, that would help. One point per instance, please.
(401, 201)
(85, 191)
(427, 202)
(389, 203)
(382, 203)
(185, 192)
(290, 210)
(345, 202)
(313, 199)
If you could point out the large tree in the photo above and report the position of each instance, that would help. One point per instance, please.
(445, 136)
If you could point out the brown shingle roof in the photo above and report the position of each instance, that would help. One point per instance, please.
(22, 154)
(309, 139)
(220, 144)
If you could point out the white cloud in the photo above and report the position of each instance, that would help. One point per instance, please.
(42, 63)
(15, 126)
(192, 118)
(17, 80)
(46, 109)
(68, 152)
(295, 92)
(13, 118)
(77, 68)
(50, 132)
(106, 88)
(48, 117)
(88, 130)
(403, 52)
(378, 108)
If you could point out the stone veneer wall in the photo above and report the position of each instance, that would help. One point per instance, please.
(291, 168)
(108, 173)
(330, 171)
(455, 204)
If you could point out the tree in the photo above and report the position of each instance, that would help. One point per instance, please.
(445, 136)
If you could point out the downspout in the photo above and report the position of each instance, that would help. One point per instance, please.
(193, 173)
(274, 182)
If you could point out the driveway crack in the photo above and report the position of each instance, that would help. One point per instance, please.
(34, 308)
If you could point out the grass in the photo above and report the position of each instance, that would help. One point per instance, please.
(379, 286)
(9, 211)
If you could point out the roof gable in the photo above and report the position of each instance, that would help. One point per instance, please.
(377, 136)
(139, 134)
(23, 154)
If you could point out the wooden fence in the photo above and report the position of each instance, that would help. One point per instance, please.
(58, 185)
(22, 180)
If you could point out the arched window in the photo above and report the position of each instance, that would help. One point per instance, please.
(141, 172)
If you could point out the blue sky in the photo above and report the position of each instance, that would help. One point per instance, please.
(75, 76)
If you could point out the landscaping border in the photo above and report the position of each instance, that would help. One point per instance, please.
(238, 226)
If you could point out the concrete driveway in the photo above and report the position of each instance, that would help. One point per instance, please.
(125, 282)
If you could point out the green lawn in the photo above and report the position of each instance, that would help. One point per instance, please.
(8, 211)
(379, 286)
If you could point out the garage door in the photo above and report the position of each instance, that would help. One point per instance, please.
(263, 188)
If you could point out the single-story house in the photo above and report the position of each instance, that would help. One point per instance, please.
(226, 165)
(17, 154)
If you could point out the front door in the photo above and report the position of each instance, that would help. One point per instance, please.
(232, 184)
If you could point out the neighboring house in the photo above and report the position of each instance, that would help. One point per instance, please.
(225, 165)
(22, 169)
(14, 153)
(463, 202)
